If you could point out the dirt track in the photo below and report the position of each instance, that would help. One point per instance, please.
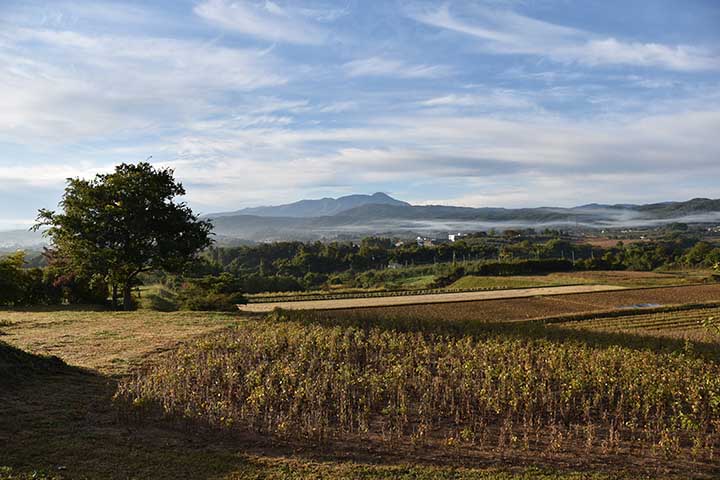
(425, 299)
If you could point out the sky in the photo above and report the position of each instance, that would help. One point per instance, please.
(475, 103)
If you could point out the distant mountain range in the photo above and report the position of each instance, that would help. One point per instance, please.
(356, 216)
(379, 214)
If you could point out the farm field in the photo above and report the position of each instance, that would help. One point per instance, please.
(700, 324)
(516, 281)
(542, 306)
(421, 285)
(328, 404)
(611, 277)
(526, 391)
(53, 416)
(403, 300)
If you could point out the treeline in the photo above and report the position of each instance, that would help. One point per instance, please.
(646, 256)
(497, 269)
(296, 259)
(294, 266)
(221, 275)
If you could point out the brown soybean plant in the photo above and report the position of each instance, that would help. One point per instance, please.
(302, 375)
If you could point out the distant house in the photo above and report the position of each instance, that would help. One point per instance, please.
(453, 237)
(425, 242)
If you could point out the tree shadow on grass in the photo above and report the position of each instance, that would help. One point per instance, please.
(62, 421)
(57, 308)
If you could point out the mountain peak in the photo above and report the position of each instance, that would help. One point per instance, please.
(322, 207)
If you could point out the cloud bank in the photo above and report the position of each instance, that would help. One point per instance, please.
(260, 102)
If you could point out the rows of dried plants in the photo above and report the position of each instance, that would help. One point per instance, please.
(302, 375)
(697, 324)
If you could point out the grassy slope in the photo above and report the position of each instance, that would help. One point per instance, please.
(51, 421)
(412, 283)
(473, 281)
(621, 278)
(110, 342)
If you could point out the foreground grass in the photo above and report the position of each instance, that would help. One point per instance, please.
(60, 423)
(109, 342)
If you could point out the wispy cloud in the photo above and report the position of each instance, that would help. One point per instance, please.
(506, 32)
(116, 83)
(267, 20)
(495, 99)
(387, 67)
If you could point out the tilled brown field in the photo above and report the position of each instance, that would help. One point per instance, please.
(535, 307)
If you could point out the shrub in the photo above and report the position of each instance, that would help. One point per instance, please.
(221, 293)
(26, 286)
(203, 301)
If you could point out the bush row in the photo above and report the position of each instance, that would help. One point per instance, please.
(21, 286)
(522, 267)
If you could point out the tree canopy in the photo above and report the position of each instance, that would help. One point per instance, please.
(121, 224)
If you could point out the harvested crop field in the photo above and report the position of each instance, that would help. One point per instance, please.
(543, 306)
(424, 299)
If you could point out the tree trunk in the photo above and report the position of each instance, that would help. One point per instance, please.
(115, 296)
(127, 296)
(127, 290)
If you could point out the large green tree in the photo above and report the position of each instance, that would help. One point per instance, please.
(121, 224)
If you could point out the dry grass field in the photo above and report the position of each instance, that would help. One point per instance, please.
(110, 342)
(595, 277)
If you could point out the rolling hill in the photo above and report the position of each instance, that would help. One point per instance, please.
(356, 216)
(309, 220)
(317, 208)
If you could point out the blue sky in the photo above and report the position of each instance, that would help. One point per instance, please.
(478, 103)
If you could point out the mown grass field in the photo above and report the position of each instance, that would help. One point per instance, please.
(620, 278)
(347, 396)
(520, 281)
